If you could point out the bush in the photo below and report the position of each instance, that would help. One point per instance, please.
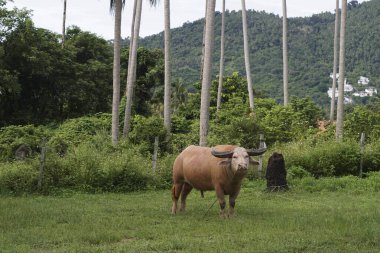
(297, 172)
(144, 131)
(12, 137)
(74, 131)
(328, 158)
(18, 177)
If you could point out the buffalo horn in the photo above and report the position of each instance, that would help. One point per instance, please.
(226, 154)
(259, 151)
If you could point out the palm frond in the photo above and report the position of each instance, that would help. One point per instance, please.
(153, 2)
(112, 4)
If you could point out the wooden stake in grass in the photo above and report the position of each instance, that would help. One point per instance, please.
(262, 145)
(362, 145)
(42, 163)
(154, 158)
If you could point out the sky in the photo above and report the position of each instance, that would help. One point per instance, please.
(95, 15)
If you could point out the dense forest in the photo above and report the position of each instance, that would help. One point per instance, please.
(310, 50)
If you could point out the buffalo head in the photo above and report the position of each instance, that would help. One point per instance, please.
(238, 159)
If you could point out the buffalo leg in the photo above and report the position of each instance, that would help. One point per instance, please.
(222, 203)
(186, 189)
(176, 191)
(231, 211)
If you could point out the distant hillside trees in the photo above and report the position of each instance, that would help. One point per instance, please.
(310, 54)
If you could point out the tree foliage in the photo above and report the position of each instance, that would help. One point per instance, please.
(42, 82)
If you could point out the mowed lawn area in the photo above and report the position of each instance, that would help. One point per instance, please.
(296, 221)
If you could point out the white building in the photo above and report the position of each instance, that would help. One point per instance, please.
(348, 100)
(347, 87)
(370, 91)
(349, 90)
(361, 94)
(336, 76)
(363, 80)
(329, 92)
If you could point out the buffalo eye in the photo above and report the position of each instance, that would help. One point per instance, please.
(234, 157)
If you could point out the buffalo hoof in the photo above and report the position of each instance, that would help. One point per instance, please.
(222, 215)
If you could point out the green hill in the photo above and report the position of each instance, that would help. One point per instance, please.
(310, 49)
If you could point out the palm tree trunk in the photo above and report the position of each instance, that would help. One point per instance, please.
(285, 51)
(203, 44)
(246, 54)
(207, 68)
(132, 71)
(131, 39)
(332, 106)
(64, 24)
(221, 66)
(167, 96)
(340, 109)
(116, 72)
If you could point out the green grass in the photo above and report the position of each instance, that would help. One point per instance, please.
(296, 221)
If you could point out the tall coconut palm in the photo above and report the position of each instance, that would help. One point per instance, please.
(206, 78)
(116, 5)
(131, 78)
(332, 106)
(285, 51)
(221, 61)
(167, 96)
(246, 54)
(64, 24)
(340, 116)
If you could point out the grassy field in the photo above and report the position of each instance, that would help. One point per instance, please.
(296, 221)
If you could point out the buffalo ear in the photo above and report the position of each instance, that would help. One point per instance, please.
(253, 162)
(225, 163)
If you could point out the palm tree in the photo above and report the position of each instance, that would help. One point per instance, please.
(339, 118)
(246, 54)
(64, 24)
(221, 67)
(167, 96)
(332, 106)
(285, 52)
(179, 94)
(131, 78)
(206, 78)
(116, 5)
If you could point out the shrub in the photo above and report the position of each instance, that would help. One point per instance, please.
(18, 177)
(361, 120)
(144, 131)
(12, 137)
(297, 172)
(74, 131)
(328, 158)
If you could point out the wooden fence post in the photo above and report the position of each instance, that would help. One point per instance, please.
(362, 144)
(262, 145)
(154, 158)
(42, 163)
